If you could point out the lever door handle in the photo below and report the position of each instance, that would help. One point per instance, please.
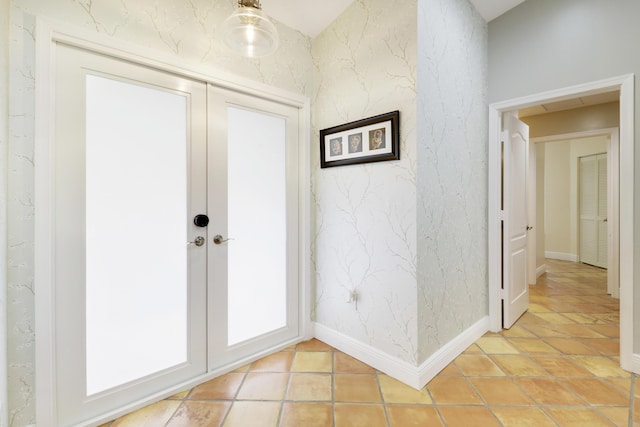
(199, 241)
(218, 239)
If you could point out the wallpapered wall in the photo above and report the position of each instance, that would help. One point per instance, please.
(185, 28)
(452, 171)
(409, 236)
(4, 137)
(364, 235)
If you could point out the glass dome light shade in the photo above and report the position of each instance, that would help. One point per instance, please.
(248, 32)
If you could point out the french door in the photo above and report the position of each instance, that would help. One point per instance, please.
(253, 199)
(174, 231)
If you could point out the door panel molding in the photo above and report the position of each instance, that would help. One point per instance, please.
(515, 222)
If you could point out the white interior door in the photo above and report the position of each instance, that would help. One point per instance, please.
(129, 162)
(593, 210)
(253, 201)
(515, 299)
(532, 218)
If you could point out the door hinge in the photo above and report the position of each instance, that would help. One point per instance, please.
(501, 215)
(502, 294)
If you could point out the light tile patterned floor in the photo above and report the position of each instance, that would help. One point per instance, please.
(558, 366)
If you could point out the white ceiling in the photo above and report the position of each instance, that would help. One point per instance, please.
(491, 9)
(310, 17)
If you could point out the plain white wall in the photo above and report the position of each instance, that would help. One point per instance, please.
(543, 45)
(557, 189)
(561, 177)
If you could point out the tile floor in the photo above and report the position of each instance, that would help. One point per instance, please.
(558, 366)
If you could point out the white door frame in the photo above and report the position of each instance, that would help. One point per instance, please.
(48, 33)
(625, 84)
(613, 196)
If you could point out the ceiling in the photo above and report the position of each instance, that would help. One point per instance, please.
(311, 17)
(570, 104)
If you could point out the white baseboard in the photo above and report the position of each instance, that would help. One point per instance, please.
(541, 270)
(561, 256)
(414, 376)
(390, 365)
(441, 358)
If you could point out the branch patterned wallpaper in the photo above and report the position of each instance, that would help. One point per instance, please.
(4, 142)
(364, 235)
(408, 236)
(452, 164)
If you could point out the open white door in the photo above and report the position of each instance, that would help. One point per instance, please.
(515, 287)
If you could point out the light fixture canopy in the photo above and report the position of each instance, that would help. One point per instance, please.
(248, 32)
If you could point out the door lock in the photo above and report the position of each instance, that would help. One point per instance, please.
(201, 220)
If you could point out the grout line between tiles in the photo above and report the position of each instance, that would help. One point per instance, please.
(286, 389)
(235, 396)
(175, 412)
(384, 404)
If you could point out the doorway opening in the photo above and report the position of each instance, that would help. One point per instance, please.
(625, 85)
(559, 199)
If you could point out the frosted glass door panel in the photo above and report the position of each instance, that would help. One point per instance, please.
(257, 275)
(136, 234)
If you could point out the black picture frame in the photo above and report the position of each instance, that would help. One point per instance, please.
(374, 139)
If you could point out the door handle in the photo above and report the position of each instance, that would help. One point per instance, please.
(199, 241)
(529, 228)
(606, 220)
(218, 239)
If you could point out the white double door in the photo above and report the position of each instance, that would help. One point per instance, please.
(146, 294)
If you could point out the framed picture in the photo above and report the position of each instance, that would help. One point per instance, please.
(375, 139)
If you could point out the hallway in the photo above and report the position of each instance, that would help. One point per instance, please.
(557, 366)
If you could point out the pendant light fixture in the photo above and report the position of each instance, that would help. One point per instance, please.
(248, 32)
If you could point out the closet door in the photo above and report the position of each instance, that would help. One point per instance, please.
(593, 210)
(129, 287)
(253, 201)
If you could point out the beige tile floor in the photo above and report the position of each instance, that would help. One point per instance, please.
(557, 366)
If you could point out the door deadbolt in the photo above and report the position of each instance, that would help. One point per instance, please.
(201, 220)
